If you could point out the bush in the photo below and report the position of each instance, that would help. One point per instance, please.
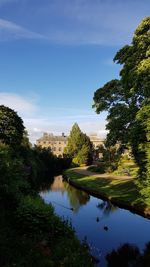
(13, 182)
(99, 169)
(34, 216)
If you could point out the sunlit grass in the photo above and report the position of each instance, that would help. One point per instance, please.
(125, 191)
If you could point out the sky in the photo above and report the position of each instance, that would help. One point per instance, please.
(54, 54)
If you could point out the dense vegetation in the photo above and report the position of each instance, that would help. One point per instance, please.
(128, 100)
(113, 161)
(129, 255)
(110, 157)
(30, 232)
(79, 148)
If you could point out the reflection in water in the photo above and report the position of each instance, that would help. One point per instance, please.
(55, 186)
(129, 255)
(76, 197)
(58, 185)
(41, 184)
(106, 207)
(104, 225)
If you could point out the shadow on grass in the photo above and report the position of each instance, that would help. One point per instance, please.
(123, 191)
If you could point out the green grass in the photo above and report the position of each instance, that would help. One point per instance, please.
(122, 191)
(98, 169)
(125, 167)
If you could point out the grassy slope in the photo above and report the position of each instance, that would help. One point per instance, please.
(122, 192)
(125, 167)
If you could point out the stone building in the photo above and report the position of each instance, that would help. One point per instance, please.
(58, 143)
(96, 143)
(55, 143)
(96, 140)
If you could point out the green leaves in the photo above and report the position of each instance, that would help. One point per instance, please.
(127, 99)
(104, 98)
(34, 216)
(79, 146)
(11, 127)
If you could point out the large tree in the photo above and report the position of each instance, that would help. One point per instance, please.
(127, 100)
(79, 146)
(11, 127)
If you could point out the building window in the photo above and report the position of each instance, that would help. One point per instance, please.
(59, 148)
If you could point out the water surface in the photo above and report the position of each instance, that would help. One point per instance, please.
(104, 225)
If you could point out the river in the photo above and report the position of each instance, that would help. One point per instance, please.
(103, 225)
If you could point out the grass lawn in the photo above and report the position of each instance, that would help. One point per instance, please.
(123, 192)
(125, 167)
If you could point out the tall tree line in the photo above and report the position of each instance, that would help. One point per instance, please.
(127, 100)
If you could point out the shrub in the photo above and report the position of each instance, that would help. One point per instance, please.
(34, 216)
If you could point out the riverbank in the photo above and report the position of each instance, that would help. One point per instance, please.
(31, 234)
(121, 191)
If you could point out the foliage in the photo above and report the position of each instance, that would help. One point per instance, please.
(34, 216)
(82, 156)
(30, 232)
(129, 255)
(128, 98)
(11, 127)
(74, 143)
(126, 166)
(79, 146)
(33, 235)
(100, 168)
(144, 117)
(109, 160)
(119, 166)
(111, 156)
(25, 140)
(12, 176)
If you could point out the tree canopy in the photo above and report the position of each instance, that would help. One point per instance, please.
(79, 146)
(127, 100)
(11, 127)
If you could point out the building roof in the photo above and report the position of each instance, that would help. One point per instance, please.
(95, 138)
(51, 137)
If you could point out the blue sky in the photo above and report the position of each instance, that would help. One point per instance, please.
(55, 53)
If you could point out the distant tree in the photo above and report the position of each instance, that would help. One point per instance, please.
(74, 143)
(79, 146)
(11, 127)
(127, 99)
(82, 156)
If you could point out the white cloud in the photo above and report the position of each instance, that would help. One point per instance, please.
(109, 22)
(37, 121)
(37, 125)
(10, 30)
(92, 22)
(20, 104)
